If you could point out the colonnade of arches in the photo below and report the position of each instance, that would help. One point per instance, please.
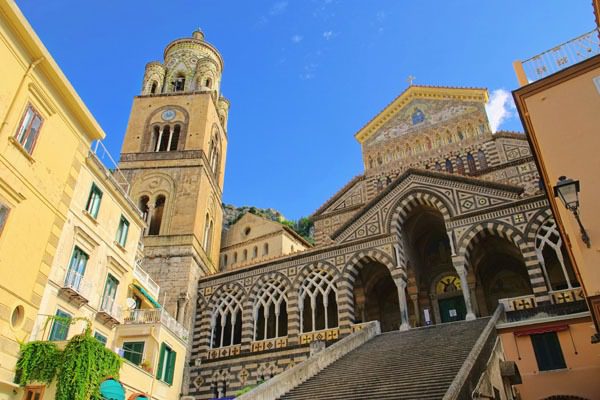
(432, 280)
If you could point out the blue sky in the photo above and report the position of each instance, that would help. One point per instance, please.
(302, 76)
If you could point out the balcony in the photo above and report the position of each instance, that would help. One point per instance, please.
(155, 316)
(563, 302)
(75, 289)
(109, 313)
(144, 278)
(558, 58)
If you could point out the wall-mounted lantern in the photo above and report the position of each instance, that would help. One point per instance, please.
(568, 191)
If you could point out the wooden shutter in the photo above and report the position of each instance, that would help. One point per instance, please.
(170, 367)
(161, 360)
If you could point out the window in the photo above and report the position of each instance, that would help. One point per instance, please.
(226, 321)
(179, 84)
(270, 311)
(482, 161)
(553, 258)
(166, 364)
(133, 352)
(460, 167)
(100, 337)
(317, 301)
(245, 255)
(547, 351)
(449, 166)
(154, 87)
(471, 163)
(29, 129)
(235, 257)
(76, 270)
(93, 203)
(266, 249)
(225, 260)
(60, 326)
(157, 216)
(110, 292)
(122, 231)
(255, 252)
(4, 210)
(34, 393)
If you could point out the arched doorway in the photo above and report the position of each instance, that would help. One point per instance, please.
(376, 297)
(429, 262)
(500, 272)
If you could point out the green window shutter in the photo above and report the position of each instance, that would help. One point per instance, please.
(133, 352)
(171, 367)
(161, 360)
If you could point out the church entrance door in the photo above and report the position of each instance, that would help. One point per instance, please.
(452, 309)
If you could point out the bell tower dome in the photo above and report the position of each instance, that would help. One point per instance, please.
(190, 65)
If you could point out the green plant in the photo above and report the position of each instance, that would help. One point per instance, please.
(146, 366)
(38, 362)
(79, 369)
(86, 363)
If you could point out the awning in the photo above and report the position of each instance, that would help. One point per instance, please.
(112, 389)
(542, 329)
(147, 295)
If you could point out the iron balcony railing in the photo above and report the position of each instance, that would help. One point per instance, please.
(558, 58)
(144, 278)
(155, 316)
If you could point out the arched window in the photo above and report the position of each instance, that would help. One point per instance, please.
(460, 134)
(235, 258)
(553, 258)
(471, 163)
(265, 249)
(179, 83)
(449, 166)
(226, 321)
(428, 145)
(155, 137)
(438, 167)
(255, 252)
(213, 154)
(157, 216)
(225, 260)
(174, 139)
(144, 208)
(482, 161)
(245, 255)
(460, 167)
(270, 311)
(208, 83)
(438, 140)
(163, 139)
(153, 87)
(317, 302)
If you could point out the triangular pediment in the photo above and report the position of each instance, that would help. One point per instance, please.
(351, 196)
(460, 196)
(420, 107)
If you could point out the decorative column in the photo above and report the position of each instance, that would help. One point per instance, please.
(461, 270)
(404, 323)
(415, 301)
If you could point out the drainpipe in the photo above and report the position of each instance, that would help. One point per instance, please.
(154, 372)
(30, 69)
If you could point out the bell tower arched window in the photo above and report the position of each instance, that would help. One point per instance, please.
(144, 208)
(157, 215)
(165, 138)
(154, 87)
(179, 83)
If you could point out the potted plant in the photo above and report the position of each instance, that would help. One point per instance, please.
(146, 366)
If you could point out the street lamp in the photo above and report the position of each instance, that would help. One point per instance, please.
(568, 191)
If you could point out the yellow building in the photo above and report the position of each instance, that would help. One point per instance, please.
(97, 276)
(253, 239)
(45, 134)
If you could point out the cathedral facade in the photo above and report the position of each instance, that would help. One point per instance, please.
(447, 221)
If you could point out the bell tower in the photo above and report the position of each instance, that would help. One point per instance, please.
(173, 156)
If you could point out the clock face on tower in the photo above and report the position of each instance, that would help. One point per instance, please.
(168, 115)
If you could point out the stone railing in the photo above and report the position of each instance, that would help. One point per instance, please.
(558, 58)
(269, 344)
(476, 362)
(287, 380)
(225, 351)
(156, 316)
(326, 335)
(518, 303)
(144, 278)
(567, 295)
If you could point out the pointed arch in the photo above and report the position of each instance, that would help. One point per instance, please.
(226, 315)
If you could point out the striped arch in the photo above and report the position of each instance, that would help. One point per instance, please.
(534, 224)
(273, 276)
(349, 275)
(362, 258)
(270, 288)
(309, 268)
(473, 237)
(403, 208)
(225, 304)
(201, 327)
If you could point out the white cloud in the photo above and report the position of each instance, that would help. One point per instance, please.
(328, 35)
(500, 108)
(297, 38)
(278, 7)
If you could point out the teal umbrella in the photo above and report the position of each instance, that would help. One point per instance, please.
(112, 389)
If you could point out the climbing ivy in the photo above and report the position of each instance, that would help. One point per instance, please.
(79, 369)
(39, 362)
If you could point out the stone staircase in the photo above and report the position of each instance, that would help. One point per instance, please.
(415, 365)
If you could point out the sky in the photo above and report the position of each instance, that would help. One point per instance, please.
(302, 76)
